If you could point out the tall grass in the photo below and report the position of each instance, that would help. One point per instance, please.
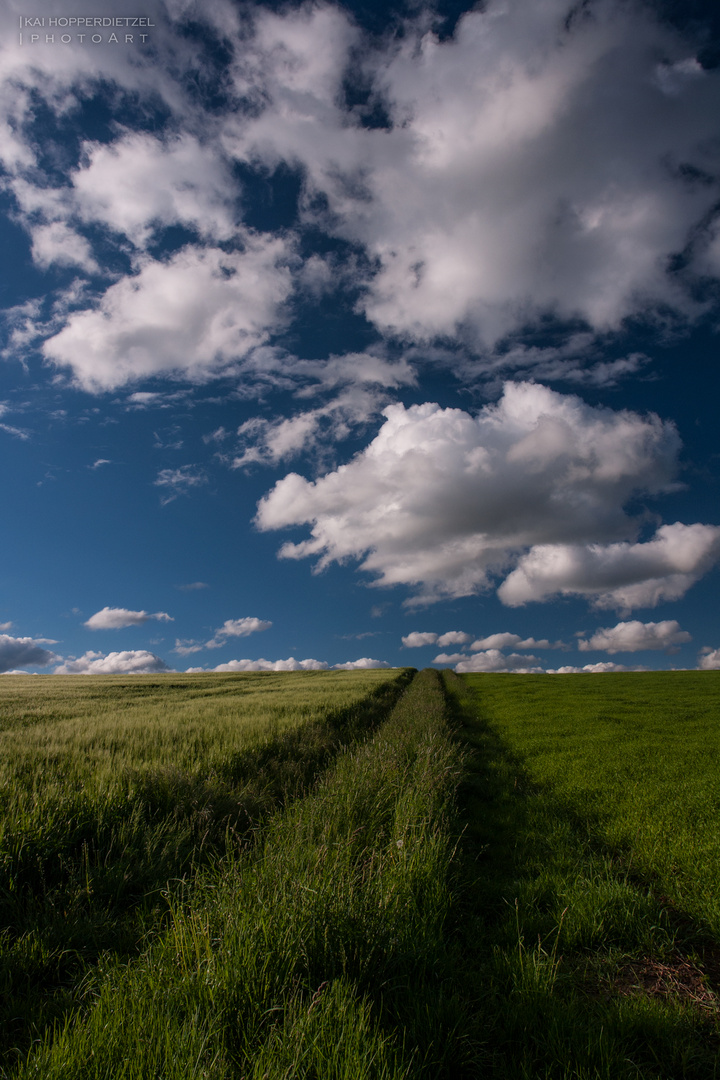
(321, 954)
(100, 818)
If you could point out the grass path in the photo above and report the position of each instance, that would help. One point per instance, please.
(321, 954)
(450, 900)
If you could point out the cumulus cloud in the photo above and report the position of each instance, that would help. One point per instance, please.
(59, 244)
(194, 315)
(291, 664)
(709, 659)
(442, 501)
(140, 182)
(454, 637)
(133, 662)
(233, 628)
(417, 639)
(595, 669)
(635, 636)
(494, 660)
(507, 640)
(621, 575)
(24, 650)
(449, 658)
(364, 663)
(117, 618)
(535, 163)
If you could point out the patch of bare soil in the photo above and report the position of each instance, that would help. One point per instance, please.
(677, 977)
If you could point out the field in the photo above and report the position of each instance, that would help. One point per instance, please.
(113, 788)
(593, 807)
(361, 875)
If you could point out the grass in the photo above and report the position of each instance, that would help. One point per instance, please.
(477, 878)
(101, 815)
(320, 954)
(589, 914)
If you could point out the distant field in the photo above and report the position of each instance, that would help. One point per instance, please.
(360, 876)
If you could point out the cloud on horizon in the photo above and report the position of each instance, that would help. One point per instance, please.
(132, 662)
(494, 660)
(636, 636)
(291, 664)
(24, 651)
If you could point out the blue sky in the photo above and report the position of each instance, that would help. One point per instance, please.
(359, 334)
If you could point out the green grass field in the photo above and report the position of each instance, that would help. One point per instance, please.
(593, 913)
(361, 875)
(115, 791)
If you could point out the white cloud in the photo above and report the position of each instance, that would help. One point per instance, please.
(291, 664)
(709, 659)
(17, 432)
(635, 636)
(187, 646)
(180, 481)
(232, 628)
(195, 315)
(441, 500)
(24, 650)
(494, 660)
(530, 165)
(269, 442)
(135, 662)
(5, 626)
(621, 575)
(59, 244)
(357, 385)
(140, 182)
(595, 669)
(361, 665)
(417, 639)
(533, 165)
(193, 586)
(117, 618)
(507, 640)
(454, 637)
(449, 658)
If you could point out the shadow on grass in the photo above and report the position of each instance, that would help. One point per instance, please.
(549, 925)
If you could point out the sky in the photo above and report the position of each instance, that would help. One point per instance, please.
(359, 335)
